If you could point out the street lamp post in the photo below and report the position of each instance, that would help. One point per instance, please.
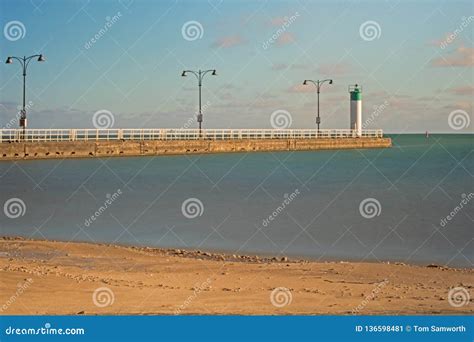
(24, 61)
(200, 76)
(318, 85)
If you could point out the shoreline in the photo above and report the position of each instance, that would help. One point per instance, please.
(224, 255)
(75, 278)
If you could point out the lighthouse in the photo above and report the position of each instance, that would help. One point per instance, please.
(356, 109)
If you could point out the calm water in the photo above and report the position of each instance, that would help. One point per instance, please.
(417, 183)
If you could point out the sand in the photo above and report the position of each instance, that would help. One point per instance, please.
(50, 277)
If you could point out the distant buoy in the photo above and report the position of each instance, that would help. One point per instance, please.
(427, 134)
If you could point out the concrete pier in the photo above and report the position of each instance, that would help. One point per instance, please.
(119, 148)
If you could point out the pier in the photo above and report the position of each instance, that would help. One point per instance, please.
(17, 144)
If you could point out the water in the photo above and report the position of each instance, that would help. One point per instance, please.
(417, 183)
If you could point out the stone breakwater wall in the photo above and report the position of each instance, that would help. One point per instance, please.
(122, 148)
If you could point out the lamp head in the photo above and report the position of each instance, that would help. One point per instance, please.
(330, 81)
(214, 72)
(41, 58)
(305, 82)
(183, 74)
(9, 60)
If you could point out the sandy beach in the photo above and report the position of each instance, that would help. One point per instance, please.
(50, 277)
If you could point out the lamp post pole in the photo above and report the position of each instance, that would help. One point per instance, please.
(318, 85)
(200, 76)
(200, 97)
(24, 62)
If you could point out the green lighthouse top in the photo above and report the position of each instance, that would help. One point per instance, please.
(356, 92)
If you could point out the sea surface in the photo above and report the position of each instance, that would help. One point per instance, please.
(371, 205)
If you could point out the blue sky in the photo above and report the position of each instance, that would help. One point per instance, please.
(412, 77)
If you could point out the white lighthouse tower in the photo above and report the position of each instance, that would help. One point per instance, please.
(356, 109)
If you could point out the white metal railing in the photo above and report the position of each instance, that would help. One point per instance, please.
(9, 135)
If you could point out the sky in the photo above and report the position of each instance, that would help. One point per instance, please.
(414, 60)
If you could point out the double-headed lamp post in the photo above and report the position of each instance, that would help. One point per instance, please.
(24, 61)
(318, 85)
(200, 76)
